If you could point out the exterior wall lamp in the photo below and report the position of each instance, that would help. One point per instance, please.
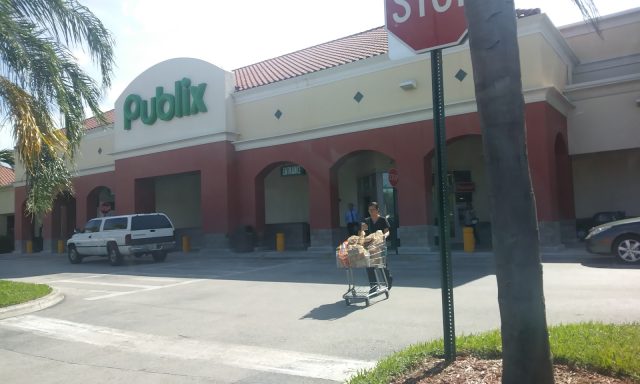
(409, 85)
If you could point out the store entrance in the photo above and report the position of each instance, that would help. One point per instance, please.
(376, 187)
(460, 198)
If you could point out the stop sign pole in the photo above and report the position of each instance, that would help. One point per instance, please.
(430, 26)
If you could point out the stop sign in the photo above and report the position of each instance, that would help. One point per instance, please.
(425, 25)
(393, 177)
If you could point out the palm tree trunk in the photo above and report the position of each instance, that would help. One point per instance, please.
(496, 68)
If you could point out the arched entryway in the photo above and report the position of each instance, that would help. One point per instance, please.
(362, 177)
(468, 190)
(100, 201)
(282, 205)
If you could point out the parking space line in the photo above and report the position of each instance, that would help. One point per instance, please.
(106, 284)
(148, 289)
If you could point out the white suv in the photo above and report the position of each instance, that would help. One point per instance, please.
(116, 236)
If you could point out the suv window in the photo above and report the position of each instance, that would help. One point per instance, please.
(116, 223)
(93, 225)
(149, 222)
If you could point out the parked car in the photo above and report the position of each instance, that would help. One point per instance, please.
(118, 236)
(584, 225)
(620, 238)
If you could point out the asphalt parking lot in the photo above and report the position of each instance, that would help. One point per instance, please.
(266, 317)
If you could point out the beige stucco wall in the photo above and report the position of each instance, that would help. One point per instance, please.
(606, 118)
(7, 200)
(94, 153)
(307, 107)
(96, 149)
(617, 40)
(607, 181)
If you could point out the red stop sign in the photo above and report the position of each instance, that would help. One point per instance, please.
(393, 177)
(425, 25)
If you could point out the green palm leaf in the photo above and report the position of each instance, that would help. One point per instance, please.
(44, 92)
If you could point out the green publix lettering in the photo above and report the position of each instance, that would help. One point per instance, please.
(188, 100)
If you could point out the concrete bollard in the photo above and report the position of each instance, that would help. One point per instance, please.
(279, 241)
(469, 240)
(186, 244)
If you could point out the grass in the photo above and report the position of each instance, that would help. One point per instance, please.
(610, 349)
(13, 292)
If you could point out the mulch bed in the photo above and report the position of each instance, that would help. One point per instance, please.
(471, 370)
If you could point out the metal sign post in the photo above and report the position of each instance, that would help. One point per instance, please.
(423, 27)
(440, 141)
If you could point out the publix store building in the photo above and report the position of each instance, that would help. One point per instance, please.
(286, 144)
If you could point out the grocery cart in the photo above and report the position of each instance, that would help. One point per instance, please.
(376, 258)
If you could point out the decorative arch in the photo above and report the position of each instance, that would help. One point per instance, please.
(96, 196)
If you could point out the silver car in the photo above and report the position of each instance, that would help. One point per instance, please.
(620, 238)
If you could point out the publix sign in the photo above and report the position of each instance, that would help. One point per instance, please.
(186, 100)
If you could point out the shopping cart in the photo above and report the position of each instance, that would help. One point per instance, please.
(376, 258)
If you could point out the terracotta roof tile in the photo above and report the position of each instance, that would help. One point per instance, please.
(327, 55)
(93, 122)
(7, 176)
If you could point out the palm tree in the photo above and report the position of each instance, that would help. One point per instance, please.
(496, 67)
(6, 156)
(41, 83)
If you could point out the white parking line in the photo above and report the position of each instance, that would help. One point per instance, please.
(147, 289)
(106, 284)
(248, 357)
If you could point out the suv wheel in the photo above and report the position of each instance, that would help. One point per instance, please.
(159, 256)
(74, 256)
(115, 258)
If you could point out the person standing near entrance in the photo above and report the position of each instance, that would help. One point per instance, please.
(371, 224)
(352, 218)
(105, 209)
(470, 220)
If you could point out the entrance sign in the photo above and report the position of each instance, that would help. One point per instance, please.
(425, 25)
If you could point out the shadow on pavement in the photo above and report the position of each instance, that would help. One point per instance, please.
(333, 311)
(293, 267)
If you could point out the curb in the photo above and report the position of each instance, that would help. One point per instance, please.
(50, 300)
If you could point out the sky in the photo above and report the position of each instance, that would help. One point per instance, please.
(234, 33)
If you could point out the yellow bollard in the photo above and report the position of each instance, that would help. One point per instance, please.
(186, 244)
(469, 240)
(60, 246)
(29, 246)
(279, 241)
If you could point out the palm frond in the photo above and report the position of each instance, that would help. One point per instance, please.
(40, 79)
(589, 13)
(6, 156)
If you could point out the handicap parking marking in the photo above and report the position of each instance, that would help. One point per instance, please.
(255, 358)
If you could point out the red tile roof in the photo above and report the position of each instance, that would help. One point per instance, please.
(322, 56)
(7, 176)
(93, 122)
(327, 55)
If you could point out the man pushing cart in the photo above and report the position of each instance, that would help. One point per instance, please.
(367, 250)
